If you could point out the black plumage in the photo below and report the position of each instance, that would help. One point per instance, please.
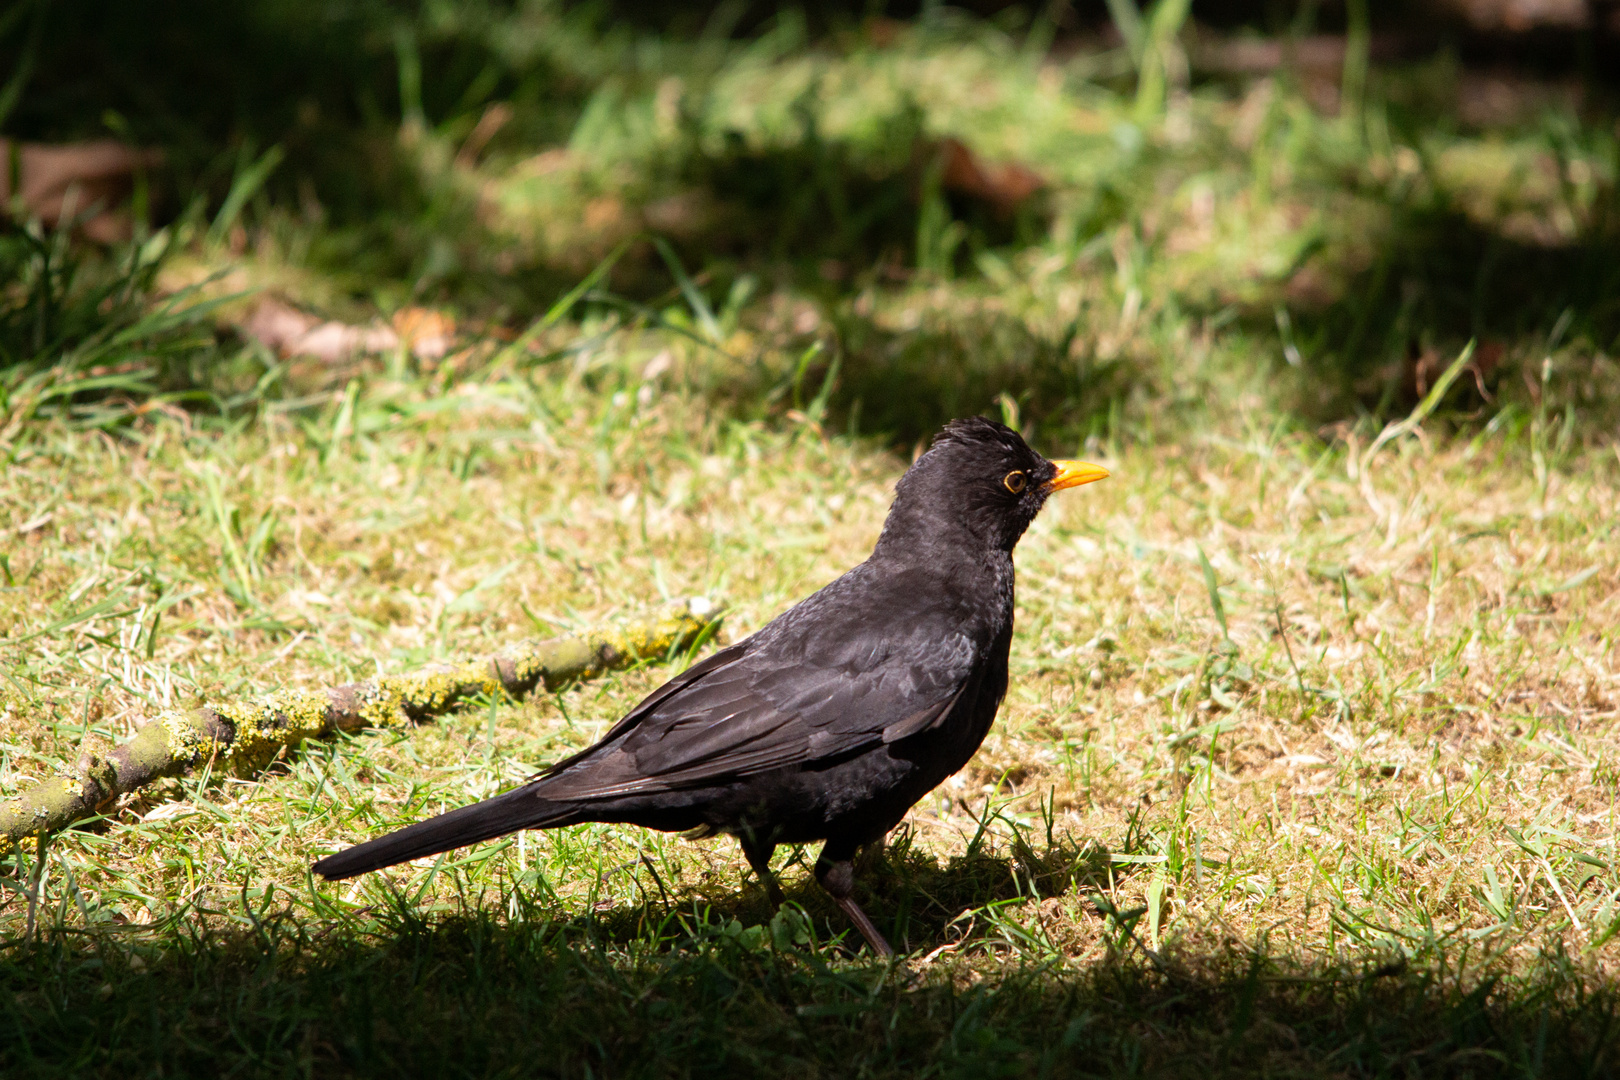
(832, 720)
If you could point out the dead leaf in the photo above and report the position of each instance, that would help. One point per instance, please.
(1004, 185)
(291, 332)
(1519, 16)
(63, 182)
(427, 333)
(1318, 55)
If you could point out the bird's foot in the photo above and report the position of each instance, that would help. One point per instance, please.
(759, 858)
(835, 871)
(870, 932)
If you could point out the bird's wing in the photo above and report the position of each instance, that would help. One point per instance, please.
(650, 703)
(781, 699)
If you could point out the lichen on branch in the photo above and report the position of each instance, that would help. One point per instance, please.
(244, 737)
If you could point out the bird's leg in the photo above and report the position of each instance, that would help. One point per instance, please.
(835, 872)
(758, 853)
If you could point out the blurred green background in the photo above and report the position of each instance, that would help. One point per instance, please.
(1109, 219)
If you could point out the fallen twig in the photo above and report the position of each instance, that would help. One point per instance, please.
(247, 737)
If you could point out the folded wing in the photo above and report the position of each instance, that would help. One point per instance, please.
(773, 701)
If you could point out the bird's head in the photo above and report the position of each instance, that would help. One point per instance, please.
(980, 476)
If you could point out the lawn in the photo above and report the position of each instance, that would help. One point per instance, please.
(1311, 756)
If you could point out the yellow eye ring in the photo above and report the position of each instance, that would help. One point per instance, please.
(1015, 482)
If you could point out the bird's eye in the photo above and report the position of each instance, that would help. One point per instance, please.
(1015, 481)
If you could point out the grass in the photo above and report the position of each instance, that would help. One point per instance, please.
(1311, 757)
(1236, 244)
(1299, 740)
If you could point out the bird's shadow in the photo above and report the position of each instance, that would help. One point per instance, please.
(919, 900)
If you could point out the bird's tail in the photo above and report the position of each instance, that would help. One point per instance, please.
(520, 808)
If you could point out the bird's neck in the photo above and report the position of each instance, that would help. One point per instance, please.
(946, 529)
(952, 549)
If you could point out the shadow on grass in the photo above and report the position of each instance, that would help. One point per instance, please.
(504, 988)
(907, 383)
(902, 383)
(918, 902)
(1439, 279)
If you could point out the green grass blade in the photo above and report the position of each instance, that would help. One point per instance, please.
(693, 295)
(244, 186)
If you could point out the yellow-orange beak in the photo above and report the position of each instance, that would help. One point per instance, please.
(1074, 473)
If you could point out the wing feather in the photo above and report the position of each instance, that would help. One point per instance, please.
(814, 685)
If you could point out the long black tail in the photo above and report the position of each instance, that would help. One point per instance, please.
(520, 808)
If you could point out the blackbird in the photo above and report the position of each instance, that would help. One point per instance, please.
(832, 720)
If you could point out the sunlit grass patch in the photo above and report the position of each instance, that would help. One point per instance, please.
(1345, 711)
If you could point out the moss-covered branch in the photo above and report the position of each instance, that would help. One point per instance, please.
(241, 738)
